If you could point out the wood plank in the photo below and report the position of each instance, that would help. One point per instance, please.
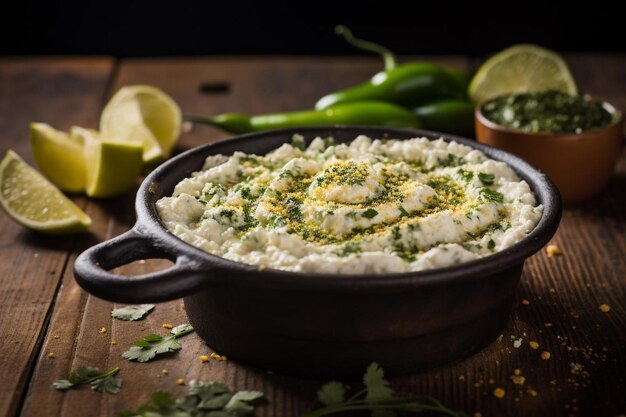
(563, 291)
(61, 92)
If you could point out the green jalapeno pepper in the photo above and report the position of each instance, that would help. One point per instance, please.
(450, 116)
(352, 113)
(408, 85)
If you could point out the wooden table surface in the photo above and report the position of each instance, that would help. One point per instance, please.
(43, 311)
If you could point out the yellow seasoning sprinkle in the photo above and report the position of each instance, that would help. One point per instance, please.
(204, 358)
(605, 308)
(164, 371)
(518, 379)
(517, 372)
(552, 250)
(545, 355)
(51, 355)
(499, 393)
(102, 330)
(533, 344)
(180, 381)
(218, 357)
(55, 337)
(113, 342)
(525, 302)
(532, 392)
(167, 326)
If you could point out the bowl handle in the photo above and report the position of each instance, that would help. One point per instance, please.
(91, 270)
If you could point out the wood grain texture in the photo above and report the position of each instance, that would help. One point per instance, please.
(585, 375)
(60, 92)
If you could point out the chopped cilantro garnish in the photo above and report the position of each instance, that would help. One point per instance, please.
(370, 213)
(491, 245)
(491, 195)
(487, 179)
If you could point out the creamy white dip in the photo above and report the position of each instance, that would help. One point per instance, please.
(370, 206)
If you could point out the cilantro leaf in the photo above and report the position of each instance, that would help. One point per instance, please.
(491, 195)
(487, 179)
(133, 312)
(147, 348)
(110, 384)
(370, 213)
(332, 393)
(377, 386)
(100, 382)
(205, 399)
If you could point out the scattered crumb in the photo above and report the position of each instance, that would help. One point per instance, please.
(461, 377)
(55, 337)
(204, 358)
(102, 330)
(545, 355)
(517, 343)
(217, 357)
(492, 381)
(525, 302)
(518, 379)
(553, 250)
(262, 267)
(533, 344)
(51, 355)
(547, 324)
(164, 371)
(553, 382)
(167, 326)
(113, 342)
(532, 392)
(180, 381)
(576, 368)
(552, 291)
(605, 308)
(499, 393)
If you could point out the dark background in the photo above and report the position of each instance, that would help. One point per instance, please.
(141, 28)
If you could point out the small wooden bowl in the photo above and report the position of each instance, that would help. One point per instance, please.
(579, 163)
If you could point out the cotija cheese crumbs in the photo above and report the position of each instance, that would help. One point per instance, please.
(369, 206)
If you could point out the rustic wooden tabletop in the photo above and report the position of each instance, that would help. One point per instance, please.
(49, 326)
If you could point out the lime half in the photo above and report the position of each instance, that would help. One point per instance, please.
(519, 69)
(112, 166)
(143, 114)
(34, 202)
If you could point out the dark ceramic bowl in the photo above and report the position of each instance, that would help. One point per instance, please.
(318, 325)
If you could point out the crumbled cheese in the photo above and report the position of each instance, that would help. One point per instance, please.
(517, 343)
(180, 381)
(204, 358)
(217, 357)
(545, 355)
(605, 308)
(499, 393)
(167, 326)
(164, 371)
(533, 344)
(525, 302)
(102, 330)
(51, 355)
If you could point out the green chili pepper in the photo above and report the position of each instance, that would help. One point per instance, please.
(408, 85)
(376, 113)
(450, 116)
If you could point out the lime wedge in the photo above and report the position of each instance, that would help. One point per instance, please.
(519, 69)
(146, 115)
(58, 157)
(34, 202)
(112, 166)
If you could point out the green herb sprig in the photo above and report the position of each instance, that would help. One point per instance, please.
(205, 399)
(377, 397)
(100, 382)
(132, 313)
(147, 348)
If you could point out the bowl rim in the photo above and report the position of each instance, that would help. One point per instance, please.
(547, 194)
(614, 111)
